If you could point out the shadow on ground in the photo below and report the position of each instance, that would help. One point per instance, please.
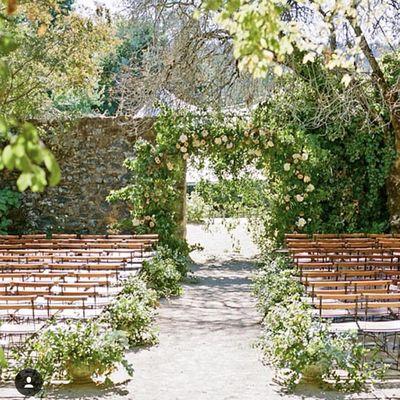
(206, 349)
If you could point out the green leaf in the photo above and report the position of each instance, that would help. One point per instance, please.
(19, 150)
(3, 360)
(24, 181)
(51, 164)
(7, 44)
(4, 71)
(3, 127)
(8, 157)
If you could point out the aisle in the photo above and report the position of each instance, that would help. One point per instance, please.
(206, 339)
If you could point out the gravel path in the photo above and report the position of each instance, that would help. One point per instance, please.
(206, 336)
(206, 339)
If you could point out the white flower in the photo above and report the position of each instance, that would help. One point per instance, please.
(286, 167)
(186, 156)
(196, 143)
(270, 143)
(258, 153)
(157, 160)
(170, 166)
(301, 222)
(204, 133)
(152, 224)
(300, 176)
(136, 222)
(287, 198)
(307, 179)
(299, 198)
(203, 142)
(229, 145)
(246, 133)
(183, 138)
(217, 140)
(296, 155)
(183, 149)
(304, 156)
(296, 160)
(225, 138)
(310, 188)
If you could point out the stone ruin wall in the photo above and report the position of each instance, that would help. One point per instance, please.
(91, 152)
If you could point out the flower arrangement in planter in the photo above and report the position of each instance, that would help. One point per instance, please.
(75, 351)
(161, 273)
(134, 315)
(299, 346)
(135, 285)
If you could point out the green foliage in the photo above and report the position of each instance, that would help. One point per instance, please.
(237, 197)
(324, 172)
(275, 284)
(303, 349)
(197, 209)
(76, 103)
(259, 31)
(267, 34)
(25, 152)
(9, 199)
(134, 285)
(162, 272)
(56, 52)
(133, 312)
(74, 351)
(327, 173)
(3, 360)
(299, 345)
(133, 315)
(159, 164)
(179, 258)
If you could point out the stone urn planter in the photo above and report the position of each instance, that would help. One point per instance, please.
(312, 374)
(82, 372)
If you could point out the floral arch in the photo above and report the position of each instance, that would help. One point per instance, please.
(231, 143)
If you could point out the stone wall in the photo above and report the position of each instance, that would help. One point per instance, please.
(91, 152)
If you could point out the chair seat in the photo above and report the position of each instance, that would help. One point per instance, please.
(343, 327)
(391, 326)
(331, 313)
(78, 314)
(9, 329)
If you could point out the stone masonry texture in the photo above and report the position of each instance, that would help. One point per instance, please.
(91, 152)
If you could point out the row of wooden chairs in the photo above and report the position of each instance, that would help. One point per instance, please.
(63, 277)
(362, 304)
(317, 236)
(41, 307)
(353, 280)
(338, 271)
(66, 236)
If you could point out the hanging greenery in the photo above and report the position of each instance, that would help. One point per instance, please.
(329, 178)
